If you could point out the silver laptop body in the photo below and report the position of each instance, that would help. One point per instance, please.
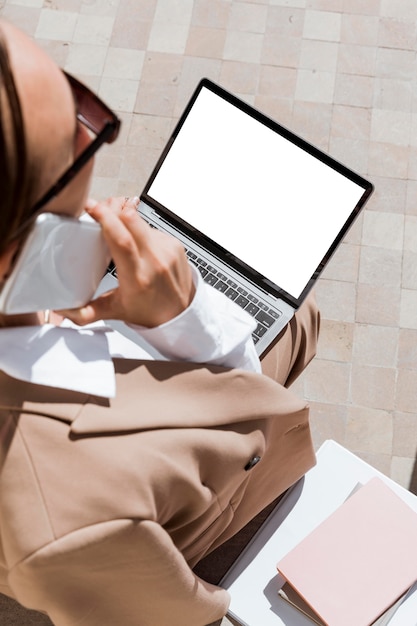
(259, 210)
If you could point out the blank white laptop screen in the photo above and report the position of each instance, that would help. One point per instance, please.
(254, 192)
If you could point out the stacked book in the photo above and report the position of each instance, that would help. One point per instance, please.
(358, 565)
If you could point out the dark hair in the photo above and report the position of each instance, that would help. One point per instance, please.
(16, 177)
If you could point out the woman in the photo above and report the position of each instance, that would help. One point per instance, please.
(109, 498)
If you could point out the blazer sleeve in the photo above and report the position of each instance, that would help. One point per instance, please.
(121, 572)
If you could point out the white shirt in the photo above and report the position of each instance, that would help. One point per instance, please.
(211, 330)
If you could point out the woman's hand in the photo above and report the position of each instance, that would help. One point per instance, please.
(155, 278)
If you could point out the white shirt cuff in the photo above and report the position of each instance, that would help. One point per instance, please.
(213, 329)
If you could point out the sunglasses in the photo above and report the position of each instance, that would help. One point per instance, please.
(100, 120)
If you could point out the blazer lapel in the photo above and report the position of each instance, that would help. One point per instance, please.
(157, 394)
(160, 394)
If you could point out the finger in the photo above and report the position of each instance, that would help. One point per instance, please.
(122, 246)
(103, 307)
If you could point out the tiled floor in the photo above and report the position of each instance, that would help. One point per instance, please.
(341, 73)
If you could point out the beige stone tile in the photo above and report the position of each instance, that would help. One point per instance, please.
(211, 13)
(318, 55)
(409, 274)
(159, 83)
(344, 264)
(413, 128)
(287, 21)
(390, 194)
(167, 37)
(327, 421)
(358, 7)
(118, 93)
(359, 29)
(411, 198)
(375, 345)
(405, 435)
(106, 8)
(356, 59)
(406, 392)
(412, 163)
(136, 167)
(123, 63)
(373, 387)
(408, 310)
(193, 69)
(292, 3)
(325, 5)
(243, 46)
(369, 430)
(354, 91)
(378, 304)
(173, 12)
(108, 164)
(248, 17)
(132, 187)
(380, 266)
(410, 233)
(391, 127)
(351, 152)
(354, 234)
(399, 8)
(93, 29)
(315, 86)
(336, 300)
(395, 64)
(281, 50)
(169, 31)
(135, 35)
(351, 122)
(322, 25)
(336, 341)
(381, 462)
(240, 77)
(275, 81)
(57, 50)
(327, 382)
(279, 109)
(56, 25)
(104, 187)
(383, 230)
(397, 33)
(403, 471)
(317, 133)
(63, 5)
(86, 59)
(407, 349)
(27, 3)
(149, 131)
(207, 42)
(393, 94)
(389, 160)
(93, 82)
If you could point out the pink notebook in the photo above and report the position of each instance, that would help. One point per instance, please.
(359, 561)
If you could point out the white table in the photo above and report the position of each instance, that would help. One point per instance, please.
(253, 580)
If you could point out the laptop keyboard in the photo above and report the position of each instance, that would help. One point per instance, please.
(264, 316)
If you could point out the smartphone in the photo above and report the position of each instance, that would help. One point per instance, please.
(60, 265)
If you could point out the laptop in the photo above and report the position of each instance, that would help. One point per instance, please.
(259, 210)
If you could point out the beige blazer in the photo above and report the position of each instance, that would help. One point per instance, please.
(106, 505)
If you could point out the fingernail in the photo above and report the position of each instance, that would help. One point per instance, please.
(135, 200)
(90, 204)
